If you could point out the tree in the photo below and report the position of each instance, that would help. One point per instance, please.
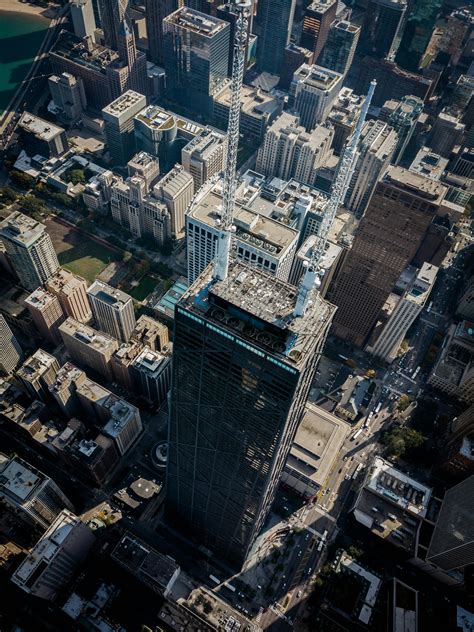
(33, 206)
(403, 403)
(75, 176)
(401, 439)
(370, 373)
(7, 194)
(23, 180)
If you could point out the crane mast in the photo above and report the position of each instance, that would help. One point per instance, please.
(311, 278)
(230, 177)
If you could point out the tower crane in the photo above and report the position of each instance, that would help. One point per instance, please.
(313, 272)
(224, 240)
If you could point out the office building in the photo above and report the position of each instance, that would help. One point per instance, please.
(136, 77)
(55, 557)
(463, 424)
(151, 333)
(377, 144)
(93, 458)
(88, 347)
(314, 90)
(64, 388)
(68, 95)
(204, 156)
(452, 544)
(338, 52)
(175, 190)
(29, 493)
(429, 164)
(151, 376)
(249, 363)
(329, 264)
(10, 350)
(318, 17)
(71, 291)
(465, 308)
(119, 128)
(121, 361)
(155, 13)
(112, 310)
(29, 249)
(42, 137)
(453, 372)
(144, 166)
(82, 16)
(402, 116)
(47, 315)
(274, 21)
(417, 31)
(228, 13)
(37, 373)
(464, 163)
(390, 233)
(260, 241)
(405, 313)
(196, 51)
(293, 57)
(382, 28)
(257, 111)
(288, 151)
(112, 14)
(446, 133)
(343, 117)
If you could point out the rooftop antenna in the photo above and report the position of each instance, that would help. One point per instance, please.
(313, 272)
(226, 228)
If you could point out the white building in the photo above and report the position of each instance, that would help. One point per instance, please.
(119, 128)
(205, 156)
(314, 90)
(83, 20)
(290, 152)
(10, 350)
(405, 313)
(55, 557)
(176, 191)
(259, 240)
(112, 310)
(29, 249)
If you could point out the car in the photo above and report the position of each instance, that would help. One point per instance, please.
(299, 593)
(299, 553)
(310, 570)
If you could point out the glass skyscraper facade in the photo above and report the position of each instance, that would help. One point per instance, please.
(274, 22)
(417, 33)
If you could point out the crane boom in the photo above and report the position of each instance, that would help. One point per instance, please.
(230, 176)
(338, 192)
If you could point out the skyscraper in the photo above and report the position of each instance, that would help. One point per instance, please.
(10, 350)
(68, 95)
(402, 116)
(119, 129)
(136, 77)
(381, 31)
(111, 16)
(29, 248)
(399, 213)
(46, 313)
(83, 20)
(155, 12)
(417, 32)
(340, 47)
(314, 89)
(71, 292)
(318, 18)
(274, 21)
(242, 369)
(196, 52)
(112, 309)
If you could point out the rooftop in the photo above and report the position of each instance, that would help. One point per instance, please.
(35, 365)
(40, 298)
(218, 613)
(85, 53)
(158, 118)
(196, 22)
(252, 100)
(21, 229)
(415, 183)
(128, 99)
(19, 480)
(317, 77)
(429, 164)
(149, 362)
(262, 311)
(65, 282)
(43, 130)
(107, 294)
(88, 336)
(372, 583)
(67, 374)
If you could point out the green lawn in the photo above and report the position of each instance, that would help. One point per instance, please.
(144, 288)
(87, 258)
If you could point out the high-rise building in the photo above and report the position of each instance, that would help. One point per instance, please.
(260, 241)
(151, 333)
(37, 373)
(293, 57)
(112, 13)
(64, 388)
(395, 222)
(88, 347)
(242, 369)
(196, 50)
(135, 63)
(376, 147)
(290, 152)
(402, 116)
(55, 557)
(30, 493)
(119, 128)
(175, 191)
(29, 249)
(42, 137)
(343, 117)
(204, 156)
(151, 376)
(314, 90)
(10, 350)
(318, 17)
(46, 312)
(155, 12)
(417, 32)
(404, 314)
(447, 132)
(274, 22)
(71, 292)
(382, 28)
(82, 15)
(465, 308)
(112, 310)
(68, 95)
(338, 52)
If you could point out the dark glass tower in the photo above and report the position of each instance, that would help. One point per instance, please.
(274, 21)
(417, 33)
(155, 12)
(242, 369)
(382, 28)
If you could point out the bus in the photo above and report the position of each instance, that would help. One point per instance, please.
(357, 470)
(214, 579)
(379, 406)
(356, 434)
(229, 586)
(415, 372)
